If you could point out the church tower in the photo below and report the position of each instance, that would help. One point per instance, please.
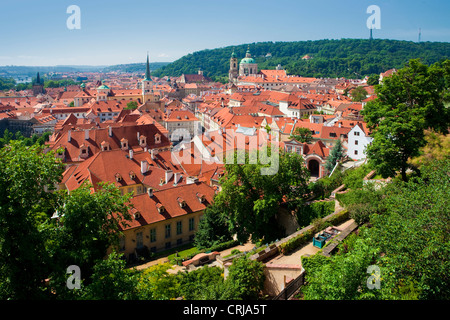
(38, 86)
(147, 86)
(233, 73)
(248, 65)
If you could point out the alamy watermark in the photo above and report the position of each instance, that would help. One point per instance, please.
(74, 20)
(374, 281)
(374, 20)
(74, 280)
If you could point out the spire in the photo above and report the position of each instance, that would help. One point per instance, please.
(38, 79)
(147, 70)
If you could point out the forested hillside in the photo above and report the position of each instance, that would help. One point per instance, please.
(351, 58)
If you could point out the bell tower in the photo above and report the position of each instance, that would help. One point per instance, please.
(147, 85)
(233, 73)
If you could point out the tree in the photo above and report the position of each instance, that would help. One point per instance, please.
(131, 105)
(373, 79)
(213, 228)
(302, 135)
(407, 103)
(248, 277)
(408, 241)
(336, 154)
(250, 201)
(359, 94)
(111, 281)
(89, 224)
(27, 177)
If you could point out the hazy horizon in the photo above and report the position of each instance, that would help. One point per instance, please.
(116, 32)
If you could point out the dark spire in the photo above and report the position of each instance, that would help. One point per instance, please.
(38, 79)
(147, 70)
(370, 34)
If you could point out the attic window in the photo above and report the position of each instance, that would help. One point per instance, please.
(200, 197)
(181, 202)
(160, 207)
(132, 175)
(118, 177)
(124, 144)
(142, 141)
(83, 150)
(157, 138)
(137, 215)
(105, 146)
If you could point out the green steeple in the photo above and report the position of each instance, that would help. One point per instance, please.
(147, 71)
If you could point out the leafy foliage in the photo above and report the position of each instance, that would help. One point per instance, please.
(408, 242)
(408, 102)
(350, 58)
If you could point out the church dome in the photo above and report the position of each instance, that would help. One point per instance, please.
(248, 60)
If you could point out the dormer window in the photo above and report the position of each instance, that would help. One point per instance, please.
(160, 208)
(124, 144)
(84, 151)
(132, 175)
(137, 215)
(143, 141)
(105, 146)
(201, 197)
(118, 177)
(157, 138)
(181, 202)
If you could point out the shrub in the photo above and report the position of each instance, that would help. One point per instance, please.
(297, 241)
(307, 213)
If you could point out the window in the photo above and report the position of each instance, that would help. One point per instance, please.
(179, 242)
(356, 133)
(356, 152)
(168, 245)
(179, 227)
(167, 234)
(139, 240)
(356, 142)
(153, 235)
(191, 224)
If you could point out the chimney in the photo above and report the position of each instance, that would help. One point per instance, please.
(144, 167)
(131, 154)
(86, 134)
(152, 154)
(176, 178)
(69, 135)
(138, 135)
(169, 174)
(110, 131)
(150, 192)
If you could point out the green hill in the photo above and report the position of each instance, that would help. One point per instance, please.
(350, 58)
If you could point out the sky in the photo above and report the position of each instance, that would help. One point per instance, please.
(35, 33)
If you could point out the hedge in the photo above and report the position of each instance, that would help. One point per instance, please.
(307, 213)
(305, 237)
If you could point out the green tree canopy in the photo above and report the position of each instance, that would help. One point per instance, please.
(407, 103)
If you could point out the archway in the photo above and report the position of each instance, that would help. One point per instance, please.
(314, 168)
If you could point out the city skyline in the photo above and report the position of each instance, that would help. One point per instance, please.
(120, 33)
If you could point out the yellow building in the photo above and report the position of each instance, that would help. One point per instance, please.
(164, 219)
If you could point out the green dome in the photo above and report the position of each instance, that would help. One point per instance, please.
(248, 60)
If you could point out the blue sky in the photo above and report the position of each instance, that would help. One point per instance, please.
(115, 32)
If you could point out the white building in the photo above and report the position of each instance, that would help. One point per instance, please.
(358, 140)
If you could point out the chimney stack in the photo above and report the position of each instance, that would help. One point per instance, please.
(144, 167)
(176, 178)
(131, 153)
(169, 174)
(69, 135)
(110, 131)
(86, 134)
